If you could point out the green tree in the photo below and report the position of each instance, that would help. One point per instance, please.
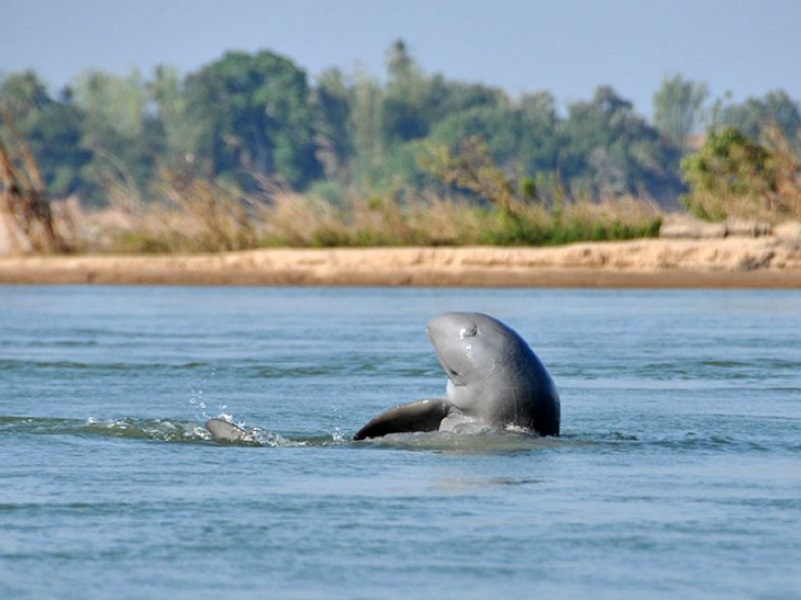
(406, 113)
(472, 168)
(334, 123)
(517, 134)
(729, 169)
(454, 96)
(52, 129)
(166, 91)
(678, 108)
(22, 95)
(521, 136)
(540, 138)
(609, 150)
(257, 116)
(754, 116)
(111, 104)
(55, 139)
(125, 138)
(366, 109)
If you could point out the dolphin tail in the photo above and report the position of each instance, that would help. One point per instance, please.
(422, 415)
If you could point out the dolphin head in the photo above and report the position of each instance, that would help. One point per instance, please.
(472, 348)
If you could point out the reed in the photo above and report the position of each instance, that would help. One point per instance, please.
(202, 222)
(193, 214)
(25, 209)
(294, 220)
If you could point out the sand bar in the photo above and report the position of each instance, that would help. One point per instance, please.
(765, 262)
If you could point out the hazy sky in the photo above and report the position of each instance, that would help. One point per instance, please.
(568, 47)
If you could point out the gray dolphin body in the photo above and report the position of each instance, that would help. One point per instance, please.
(494, 379)
(225, 431)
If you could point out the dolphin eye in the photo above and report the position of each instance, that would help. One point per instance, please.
(466, 332)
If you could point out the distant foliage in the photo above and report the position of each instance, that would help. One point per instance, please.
(247, 118)
(775, 111)
(678, 108)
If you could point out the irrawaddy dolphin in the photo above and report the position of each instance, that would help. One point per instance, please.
(494, 380)
(225, 431)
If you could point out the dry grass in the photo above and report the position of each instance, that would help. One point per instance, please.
(203, 217)
(294, 220)
(786, 167)
(190, 214)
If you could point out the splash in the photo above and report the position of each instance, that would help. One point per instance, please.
(224, 430)
(165, 430)
(196, 400)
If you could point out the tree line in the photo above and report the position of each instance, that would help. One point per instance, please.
(256, 119)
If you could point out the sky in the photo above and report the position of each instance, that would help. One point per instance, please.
(567, 47)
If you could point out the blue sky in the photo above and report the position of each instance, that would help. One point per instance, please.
(567, 47)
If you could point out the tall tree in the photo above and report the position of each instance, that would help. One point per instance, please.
(752, 117)
(608, 149)
(540, 137)
(367, 105)
(124, 137)
(729, 167)
(112, 103)
(23, 94)
(55, 138)
(181, 133)
(257, 116)
(678, 106)
(334, 123)
(407, 106)
(52, 129)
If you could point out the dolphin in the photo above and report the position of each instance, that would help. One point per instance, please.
(222, 430)
(494, 380)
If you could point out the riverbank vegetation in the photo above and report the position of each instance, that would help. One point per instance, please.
(249, 151)
(293, 220)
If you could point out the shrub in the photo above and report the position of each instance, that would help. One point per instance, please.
(734, 176)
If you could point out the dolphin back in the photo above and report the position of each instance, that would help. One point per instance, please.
(526, 391)
(227, 432)
(545, 405)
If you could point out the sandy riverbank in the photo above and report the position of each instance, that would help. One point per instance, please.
(767, 262)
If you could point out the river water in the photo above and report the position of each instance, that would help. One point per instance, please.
(678, 472)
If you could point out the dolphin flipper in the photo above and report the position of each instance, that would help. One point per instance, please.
(225, 431)
(422, 415)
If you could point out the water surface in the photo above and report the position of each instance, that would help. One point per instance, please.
(678, 472)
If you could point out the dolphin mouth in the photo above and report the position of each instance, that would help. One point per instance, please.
(453, 376)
